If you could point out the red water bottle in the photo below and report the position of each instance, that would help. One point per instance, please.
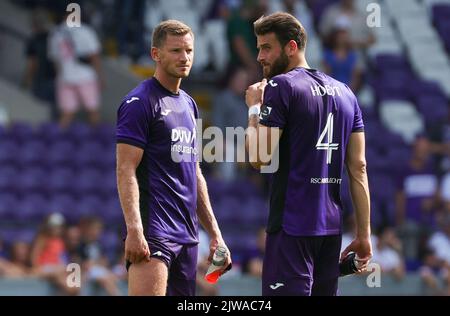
(219, 257)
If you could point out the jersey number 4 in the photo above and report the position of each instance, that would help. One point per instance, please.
(329, 146)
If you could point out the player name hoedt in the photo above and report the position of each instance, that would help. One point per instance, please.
(318, 90)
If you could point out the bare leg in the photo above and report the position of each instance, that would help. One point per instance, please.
(94, 117)
(148, 278)
(66, 119)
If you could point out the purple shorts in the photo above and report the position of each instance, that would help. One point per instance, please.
(181, 260)
(301, 266)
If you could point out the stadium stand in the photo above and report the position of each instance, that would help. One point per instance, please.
(44, 169)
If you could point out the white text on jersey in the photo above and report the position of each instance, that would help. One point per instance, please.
(319, 90)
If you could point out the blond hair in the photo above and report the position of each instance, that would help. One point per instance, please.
(172, 27)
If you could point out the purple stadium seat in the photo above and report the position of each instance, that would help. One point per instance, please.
(61, 153)
(61, 203)
(441, 11)
(419, 88)
(109, 184)
(433, 108)
(112, 212)
(21, 132)
(389, 62)
(9, 151)
(32, 180)
(51, 132)
(31, 209)
(88, 154)
(60, 180)
(88, 181)
(105, 133)
(8, 179)
(90, 205)
(32, 153)
(80, 132)
(8, 202)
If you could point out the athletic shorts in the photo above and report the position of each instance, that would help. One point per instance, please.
(181, 261)
(301, 266)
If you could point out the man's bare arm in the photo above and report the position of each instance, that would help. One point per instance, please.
(359, 189)
(261, 141)
(128, 159)
(359, 185)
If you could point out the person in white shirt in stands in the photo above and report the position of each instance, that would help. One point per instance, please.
(388, 253)
(439, 255)
(76, 54)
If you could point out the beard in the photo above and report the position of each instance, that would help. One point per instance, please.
(279, 66)
(177, 73)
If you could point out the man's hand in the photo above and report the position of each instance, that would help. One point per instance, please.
(212, 248)
(363, 249)
(255, 93)
(136, 247)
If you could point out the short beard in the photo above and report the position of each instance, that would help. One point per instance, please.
(279, 66)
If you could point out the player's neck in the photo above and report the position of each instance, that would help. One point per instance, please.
(298, 64)
(300, 61)
(170, 83)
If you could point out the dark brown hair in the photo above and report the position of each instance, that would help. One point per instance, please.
(172, 27)
(285, 26)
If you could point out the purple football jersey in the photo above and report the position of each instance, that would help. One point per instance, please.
(317, 115)
(163, 125)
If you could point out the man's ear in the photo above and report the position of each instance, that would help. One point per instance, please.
(291, 48)
(155, 54)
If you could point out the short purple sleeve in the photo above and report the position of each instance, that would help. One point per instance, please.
(358, 124)
(133, 123)
(275, 109)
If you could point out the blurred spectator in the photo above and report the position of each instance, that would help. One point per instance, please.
(3, 260)
(48, 257)
(131, 28)
(219, 9)
(119, 268)
(387, 253)
(439, 242)
(434, 274)
(94, 262)
(20, 260)
(19, 264)
(253, 262)
(76, 53)
(48, 250)
(40, 72)
(416, 197)
(417, 186)
(72, 240)
(361, 35)
(229, 110)
(297, 8)
(204, 288)
(242, 39)
(436, 269)
(439, 133)
(340, 60)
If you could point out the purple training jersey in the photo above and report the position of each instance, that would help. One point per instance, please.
(163, 125)
(317, 115)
